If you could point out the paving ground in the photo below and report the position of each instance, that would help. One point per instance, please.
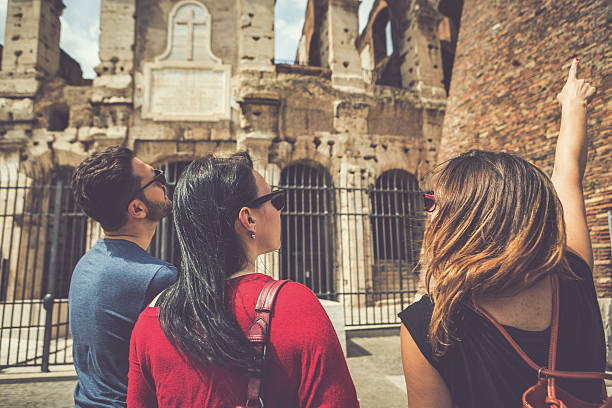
(374, 363)
(376, 368)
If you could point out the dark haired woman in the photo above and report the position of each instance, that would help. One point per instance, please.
(190, 349)
(497, 242)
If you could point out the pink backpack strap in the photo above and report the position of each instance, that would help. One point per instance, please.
(259, 334)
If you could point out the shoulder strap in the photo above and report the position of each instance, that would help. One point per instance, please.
(552, 349)
(259, 333)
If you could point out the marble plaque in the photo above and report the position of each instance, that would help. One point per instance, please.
(187, 81)
(187, 92)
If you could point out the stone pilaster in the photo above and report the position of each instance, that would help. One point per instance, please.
(419, 49)
(117, 33)
(344, 60)
(31, 44)
(256, 35)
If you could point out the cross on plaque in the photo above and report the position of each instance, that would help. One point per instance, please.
(190, 22)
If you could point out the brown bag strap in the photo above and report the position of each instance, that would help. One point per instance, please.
(259, 334)
(549, 371)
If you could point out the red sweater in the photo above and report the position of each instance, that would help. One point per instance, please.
(305, 364)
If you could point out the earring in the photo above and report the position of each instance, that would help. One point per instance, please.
(252, 235)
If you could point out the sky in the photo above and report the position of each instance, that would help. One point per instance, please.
(81, 29)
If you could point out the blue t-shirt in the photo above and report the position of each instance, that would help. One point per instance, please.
(111, 284)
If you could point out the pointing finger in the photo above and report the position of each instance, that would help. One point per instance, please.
(573, 69)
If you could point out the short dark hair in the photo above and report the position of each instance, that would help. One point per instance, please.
(102, 185)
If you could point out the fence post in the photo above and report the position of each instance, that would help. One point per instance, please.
(49, 300)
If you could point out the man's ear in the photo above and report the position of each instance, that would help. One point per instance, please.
(137, 209)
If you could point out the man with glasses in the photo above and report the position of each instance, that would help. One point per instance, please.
(116, 279)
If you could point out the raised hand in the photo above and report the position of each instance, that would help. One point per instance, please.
(575, 90)
(571, 160)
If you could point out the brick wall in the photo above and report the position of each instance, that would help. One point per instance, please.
(512, 60)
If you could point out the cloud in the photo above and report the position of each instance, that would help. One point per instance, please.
(364, 12)
(80, 46)
(3, 12)
(81, 32)
(288, 23)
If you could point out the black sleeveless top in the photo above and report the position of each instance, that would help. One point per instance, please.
(483, 370)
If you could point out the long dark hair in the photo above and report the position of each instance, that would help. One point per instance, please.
(206, 202)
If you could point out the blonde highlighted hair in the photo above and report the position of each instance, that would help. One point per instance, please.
(498, 228)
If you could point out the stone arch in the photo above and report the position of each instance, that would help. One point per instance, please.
(164, 244)
(314, 43)
(448, 32)
(380, 33)
(397, 224)
(73, 229)
(307, 227)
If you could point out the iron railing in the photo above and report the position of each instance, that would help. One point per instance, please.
(357, 243)
(42, 237)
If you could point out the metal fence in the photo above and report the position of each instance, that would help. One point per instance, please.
(357, 243)
(42, 236)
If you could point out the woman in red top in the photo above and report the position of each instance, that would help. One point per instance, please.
(190, 348)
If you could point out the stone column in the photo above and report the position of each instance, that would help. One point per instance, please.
(32, 37)
(343, 29)
(115, 72)
(256, 35)
(31, 52)
(258, 129)
(353, 241)
(419, 48)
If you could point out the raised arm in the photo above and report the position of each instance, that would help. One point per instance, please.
(570, 162)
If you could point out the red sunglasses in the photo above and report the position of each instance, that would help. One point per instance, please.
(429, 202)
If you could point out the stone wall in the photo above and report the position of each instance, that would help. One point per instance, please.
(511, 61)
(153, 59)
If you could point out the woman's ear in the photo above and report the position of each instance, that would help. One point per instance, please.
(246, 219)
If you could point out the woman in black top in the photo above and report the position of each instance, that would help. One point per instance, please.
(496, 237)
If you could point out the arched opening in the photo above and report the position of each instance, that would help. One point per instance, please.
(307, 232)
(71, 242)
(59, 117)
(397, 224)
(381, 36)
(448, 32)
(164, 244)
(314, 51)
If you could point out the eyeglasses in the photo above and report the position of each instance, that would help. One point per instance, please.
(158, 177)
(429, 202)
(276, 198)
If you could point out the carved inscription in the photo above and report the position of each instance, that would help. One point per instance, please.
(184, 92)
(187, 82)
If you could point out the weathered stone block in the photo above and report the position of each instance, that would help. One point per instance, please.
(605, 306)
(221, 133)
(19, 87)
(153, 132)
(112, 89)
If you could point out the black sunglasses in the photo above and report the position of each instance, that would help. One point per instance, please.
(158, 177)
(429, 202)
(276, 198)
